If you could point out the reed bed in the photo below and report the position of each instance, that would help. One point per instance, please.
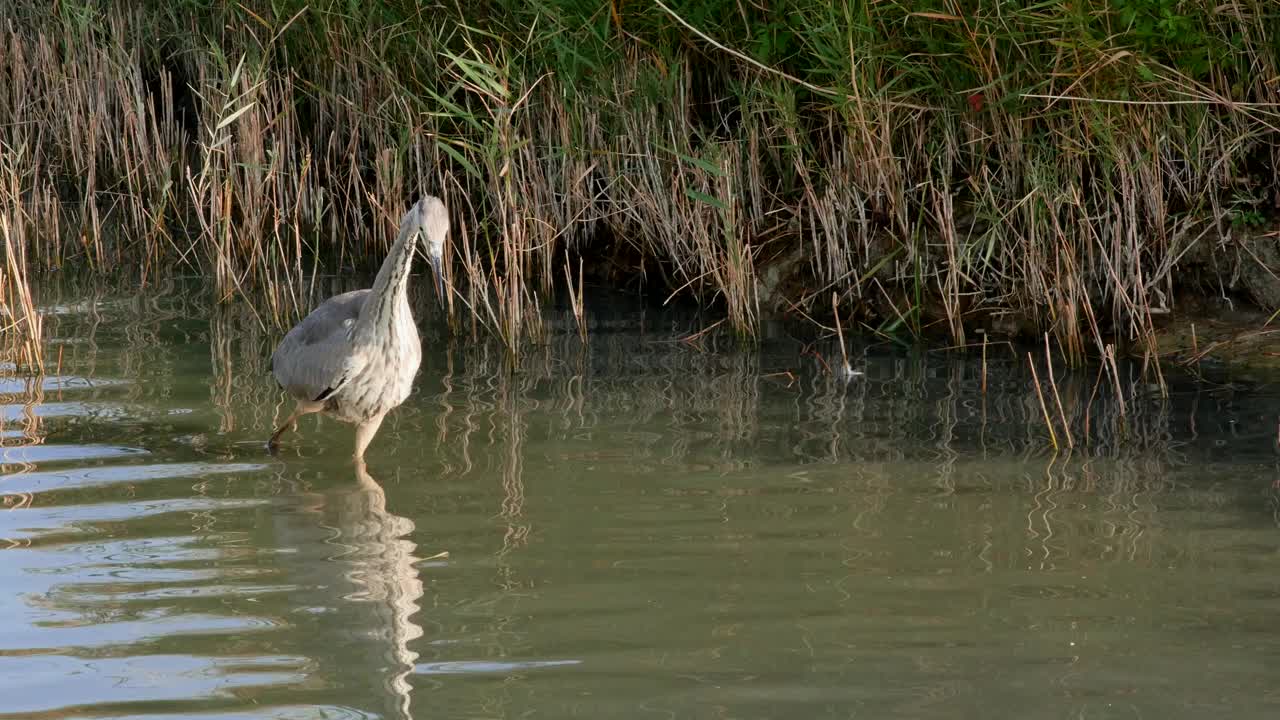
(22, 325)
(1051, 168)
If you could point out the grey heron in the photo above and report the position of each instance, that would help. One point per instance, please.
(355, 356)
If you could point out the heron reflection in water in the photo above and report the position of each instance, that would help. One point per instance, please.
(382, 565)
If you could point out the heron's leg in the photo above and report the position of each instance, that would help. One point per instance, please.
(292, 420)
(275, 436)
(365, 432)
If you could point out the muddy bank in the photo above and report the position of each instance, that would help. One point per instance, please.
(1235, 338)
(1226, 307)
(1216, 304)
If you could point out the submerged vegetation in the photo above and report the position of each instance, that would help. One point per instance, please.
(1072, 169)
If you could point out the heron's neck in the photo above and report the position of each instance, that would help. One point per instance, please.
(389, 292)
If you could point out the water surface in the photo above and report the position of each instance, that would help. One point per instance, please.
(647, 526)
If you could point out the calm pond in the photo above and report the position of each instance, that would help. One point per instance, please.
(642, 528)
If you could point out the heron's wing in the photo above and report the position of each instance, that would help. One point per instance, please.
(317, 356)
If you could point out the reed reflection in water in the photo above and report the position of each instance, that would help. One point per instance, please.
(638, 524)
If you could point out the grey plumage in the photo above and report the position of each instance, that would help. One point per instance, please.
(316, 349)
(355, 356)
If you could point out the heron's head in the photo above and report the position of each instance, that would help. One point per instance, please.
(433, 223)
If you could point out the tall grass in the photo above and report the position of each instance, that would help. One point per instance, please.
(20, 323)
(939, 165)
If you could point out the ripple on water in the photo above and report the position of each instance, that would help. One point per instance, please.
(72, 522)
(54, 683)
(70, 582)
(480, 667)
(268, 712)
(104, 411)
(169, 593)
(123, 637)
(54, 383)
(44, 481)
(35, 454)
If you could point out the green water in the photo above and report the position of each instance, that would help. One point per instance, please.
(642, 528)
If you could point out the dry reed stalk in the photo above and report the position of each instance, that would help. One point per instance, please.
(23, 326)
(845, 368)
(1057, 398)
(1044, 409)
(576, 297)
(984, 363)
(1109, 360)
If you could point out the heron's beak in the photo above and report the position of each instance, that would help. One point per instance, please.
(438, 272)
